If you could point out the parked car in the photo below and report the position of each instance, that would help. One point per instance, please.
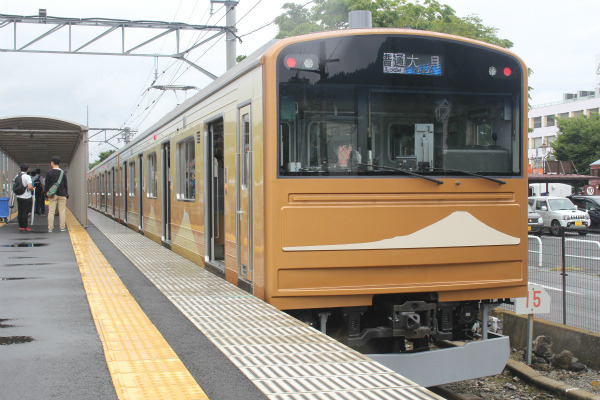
(535, 222)
(560, 212)
(591, 204)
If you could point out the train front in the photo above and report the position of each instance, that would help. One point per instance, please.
(395, 184)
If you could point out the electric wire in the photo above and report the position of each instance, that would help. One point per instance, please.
(176, 75)
(145, 92)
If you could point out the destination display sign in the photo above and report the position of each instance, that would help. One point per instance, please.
(412, 64)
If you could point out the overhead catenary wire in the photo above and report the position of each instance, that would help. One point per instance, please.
(176, 74)
(160, 76)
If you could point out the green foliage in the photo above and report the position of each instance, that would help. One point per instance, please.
(429, 15)
(578, 141)
(101, 157)
(240, 58)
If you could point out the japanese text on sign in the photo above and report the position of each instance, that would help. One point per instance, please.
(412, 64)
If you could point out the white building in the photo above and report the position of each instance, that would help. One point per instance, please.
(542, 119)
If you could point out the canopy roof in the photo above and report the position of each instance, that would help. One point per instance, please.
(34, 140)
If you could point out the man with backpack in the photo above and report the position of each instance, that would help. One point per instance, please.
(23, 189)
(57, 192)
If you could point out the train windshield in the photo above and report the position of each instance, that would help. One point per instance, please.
(380, 105)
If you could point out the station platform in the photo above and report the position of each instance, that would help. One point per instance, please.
(105, 313)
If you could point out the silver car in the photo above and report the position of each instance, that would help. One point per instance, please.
(535, 222)
(560, 212)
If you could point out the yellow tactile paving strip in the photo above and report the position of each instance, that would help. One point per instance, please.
(140, 361)
(10, 217)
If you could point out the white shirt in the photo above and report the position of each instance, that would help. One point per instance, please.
(26, 178)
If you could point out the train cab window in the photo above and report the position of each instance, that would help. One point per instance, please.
(332, 145)
(131, 179)
(356, 116)
(186, 169)
(152, 184)
(402, 145)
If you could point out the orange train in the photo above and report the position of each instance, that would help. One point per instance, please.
(371, 182)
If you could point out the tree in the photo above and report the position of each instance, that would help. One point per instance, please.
(429, 16)
(101, 157)
(578, 140)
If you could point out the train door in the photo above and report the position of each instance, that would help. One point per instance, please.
(215, 195)
(113, 191)
(141, 192)
(125, 191)
(104, 193)
(244, 229)
(166, 192)
(108, 178)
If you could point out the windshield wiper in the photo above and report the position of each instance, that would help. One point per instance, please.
(404, 171)
(489, 178)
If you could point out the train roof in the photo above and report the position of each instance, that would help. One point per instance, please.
(253, 60)
(249, 63)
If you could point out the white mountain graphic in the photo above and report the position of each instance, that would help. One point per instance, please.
(459, 229)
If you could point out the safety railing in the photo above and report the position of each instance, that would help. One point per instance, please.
(568, 267)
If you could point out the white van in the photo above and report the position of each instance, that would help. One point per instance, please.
(560, 212)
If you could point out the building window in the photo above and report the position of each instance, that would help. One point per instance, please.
(593, 111)
(577, 113)
(131, 179)
(550, 139)
(563, 115)
(151, 168)
(550, 120)
(537, 142)
(537, 122)
(186, 170)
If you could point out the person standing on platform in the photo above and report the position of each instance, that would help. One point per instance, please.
(38, 185)
(57, 192)
(24, 200)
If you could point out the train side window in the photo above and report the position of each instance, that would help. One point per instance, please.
(186, 169)
(246, 149)
(151, 191)
(132, 179)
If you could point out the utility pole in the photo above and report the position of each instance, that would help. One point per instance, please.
(230, 37)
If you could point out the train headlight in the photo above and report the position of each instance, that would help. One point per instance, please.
(303, 62)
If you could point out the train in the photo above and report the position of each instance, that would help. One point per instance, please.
(370, 182)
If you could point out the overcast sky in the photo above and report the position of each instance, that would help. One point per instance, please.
(555, 38)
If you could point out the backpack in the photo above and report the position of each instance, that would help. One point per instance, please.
(54, 188)
(18, 187)
(37, 182)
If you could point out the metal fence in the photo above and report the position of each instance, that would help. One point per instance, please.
(568, 267)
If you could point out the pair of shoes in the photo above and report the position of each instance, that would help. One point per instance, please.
(63, 229)
(28, 229)
(50, 230)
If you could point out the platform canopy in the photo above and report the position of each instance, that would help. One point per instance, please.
(34, 140)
